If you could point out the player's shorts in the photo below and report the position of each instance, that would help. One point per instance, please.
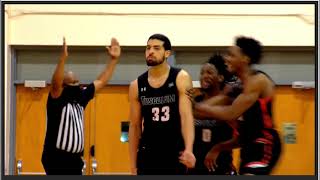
(158, 163)
(260, 156)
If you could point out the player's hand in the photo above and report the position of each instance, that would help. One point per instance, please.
(210, 160)
(114, 49)
(188, 159)
(133, 171)
(64, 48)
(190, 93)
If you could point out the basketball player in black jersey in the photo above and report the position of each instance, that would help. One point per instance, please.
(214, 78)
(158, 97)
(259, 140)
(64, 141)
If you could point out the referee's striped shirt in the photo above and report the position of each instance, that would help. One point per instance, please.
(65, 121)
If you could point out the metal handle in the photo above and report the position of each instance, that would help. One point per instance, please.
(19, 167)
(84, 168)
(94, 166)
(19, 170)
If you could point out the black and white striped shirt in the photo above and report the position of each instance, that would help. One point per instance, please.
(71, 129)
(65, 121)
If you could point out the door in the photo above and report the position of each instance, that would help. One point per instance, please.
(31, 128)
(111, 109)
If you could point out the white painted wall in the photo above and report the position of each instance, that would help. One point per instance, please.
(273, 25)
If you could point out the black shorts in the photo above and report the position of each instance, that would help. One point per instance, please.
(159, 163)
(260, 156)
(58, 162)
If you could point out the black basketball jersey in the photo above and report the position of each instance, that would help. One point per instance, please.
(160, 112)
(65, 121)
(209, 133)
(257, 120)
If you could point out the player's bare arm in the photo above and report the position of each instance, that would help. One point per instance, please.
(135, 124)
(58, 75)
(246, 99)
(184, 83)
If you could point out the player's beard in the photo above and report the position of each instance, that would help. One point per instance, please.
(155, 63)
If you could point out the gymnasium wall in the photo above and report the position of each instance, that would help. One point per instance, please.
(214, 24)
(110, 107)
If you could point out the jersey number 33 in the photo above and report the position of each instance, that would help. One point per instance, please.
(164, 115)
